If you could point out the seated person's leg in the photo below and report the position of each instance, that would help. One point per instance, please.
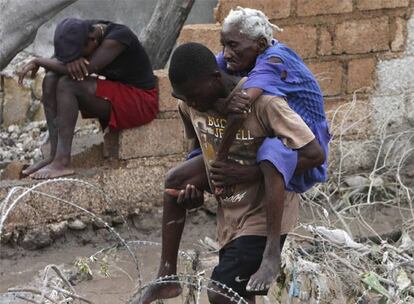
(72, 95)
(191, 172)
(49, 102)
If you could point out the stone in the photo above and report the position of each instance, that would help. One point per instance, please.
(206, 34)
(118, 220)
(356, 181)
(274, 9)
(323, 7)
(329, 75)
(167, 102)
(378, 4)
(301, 38)
(159, 137)
(16, 102)
(76, 225)
(13, 170)
(360, 74)
(398, 41)
(362, 36)
(36, 84)
(36, 239)
(97, 224)
(58, 230)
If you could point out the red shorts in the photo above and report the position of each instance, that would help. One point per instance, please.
(130, 107)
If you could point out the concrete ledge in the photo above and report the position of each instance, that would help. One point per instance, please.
(159, 137)
(132, 186)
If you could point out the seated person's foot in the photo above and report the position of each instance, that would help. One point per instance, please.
(53, 170)
(261, 281)
(36, 166)
(159, 292)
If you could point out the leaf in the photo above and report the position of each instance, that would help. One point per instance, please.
(371, 279)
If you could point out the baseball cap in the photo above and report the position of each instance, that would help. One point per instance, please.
(71, 35)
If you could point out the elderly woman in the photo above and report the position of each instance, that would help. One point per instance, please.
(126, 98)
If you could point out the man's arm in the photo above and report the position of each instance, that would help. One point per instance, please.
(309, 156)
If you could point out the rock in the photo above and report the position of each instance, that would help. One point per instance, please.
(6, 237)
(76, 225)
(58, 230)
(96, 224)
(117, 220)
(356, 181)
(13, 170)
(36, 239)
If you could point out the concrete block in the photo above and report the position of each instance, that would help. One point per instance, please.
(325, 44)
(323, 7)
(362, 36)
(302, 38)
(274, 9)
(159, 137)
(398, 41)
(379, 4)
(16, 102)
(360, 74)
(206, 34)
(167, 102)
(329, 75)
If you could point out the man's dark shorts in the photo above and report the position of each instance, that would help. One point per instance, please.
(239, 260)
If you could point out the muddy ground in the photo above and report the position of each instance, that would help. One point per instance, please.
(21, 268)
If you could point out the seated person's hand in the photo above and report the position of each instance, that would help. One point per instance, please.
(31, 66)
(188, 198)
(239, 103)
(78, 68)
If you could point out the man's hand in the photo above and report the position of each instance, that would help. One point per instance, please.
(31, 66)
(188, 198)
(78, 68)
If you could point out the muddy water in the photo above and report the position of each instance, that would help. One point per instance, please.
(21, 268)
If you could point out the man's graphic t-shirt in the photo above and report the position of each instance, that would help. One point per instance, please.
(270, 116)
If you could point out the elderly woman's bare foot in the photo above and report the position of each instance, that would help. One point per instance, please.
(261, 281)
(36, 166)
(53, 170)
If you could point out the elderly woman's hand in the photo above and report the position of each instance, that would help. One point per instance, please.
(226, 173)
(31, 66)
(188, 198)
(78, 68)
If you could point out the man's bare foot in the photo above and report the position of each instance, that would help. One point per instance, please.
(261, 281)
(159, 292)
(36, 166)
(53, 170)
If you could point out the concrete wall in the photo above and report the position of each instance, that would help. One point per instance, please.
(134, 13)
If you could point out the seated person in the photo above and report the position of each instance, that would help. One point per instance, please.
(127, 98)
(254, 220)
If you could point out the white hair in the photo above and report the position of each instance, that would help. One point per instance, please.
(252, 23)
